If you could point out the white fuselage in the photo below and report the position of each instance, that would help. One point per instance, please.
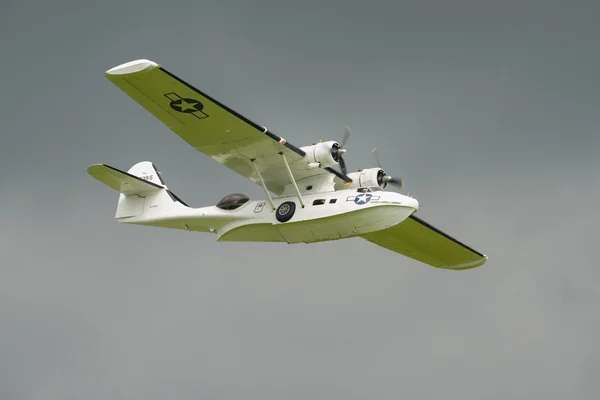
(325, 216)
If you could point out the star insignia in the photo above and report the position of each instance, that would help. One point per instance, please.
(186, 105)
(363, 198)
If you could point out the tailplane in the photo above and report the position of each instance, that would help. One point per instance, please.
(140, 179)
(143, 191)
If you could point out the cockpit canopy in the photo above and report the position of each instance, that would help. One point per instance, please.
(232, 201)
(368, 189)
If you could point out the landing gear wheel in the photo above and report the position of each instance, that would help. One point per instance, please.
(285, 211)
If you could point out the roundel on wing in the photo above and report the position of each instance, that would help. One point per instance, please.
(186, 105)
(363, 198)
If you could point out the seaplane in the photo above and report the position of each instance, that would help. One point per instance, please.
(309, 195)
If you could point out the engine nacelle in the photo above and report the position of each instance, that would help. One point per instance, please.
(367, 177)
(321, 154)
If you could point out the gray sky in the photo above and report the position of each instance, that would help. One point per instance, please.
(488, 110)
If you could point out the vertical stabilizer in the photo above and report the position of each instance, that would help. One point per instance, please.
(148, 172)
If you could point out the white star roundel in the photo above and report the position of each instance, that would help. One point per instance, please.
(363, 198)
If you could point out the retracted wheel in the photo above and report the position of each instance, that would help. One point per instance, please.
(285, 211)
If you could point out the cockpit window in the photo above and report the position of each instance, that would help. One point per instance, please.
(232, 201)
(363, 190)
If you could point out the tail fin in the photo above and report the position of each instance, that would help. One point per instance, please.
(143, 192)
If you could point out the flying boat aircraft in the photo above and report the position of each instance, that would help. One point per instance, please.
(307, 200)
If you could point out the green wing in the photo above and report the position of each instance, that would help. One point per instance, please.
(416, 239)
(210, 126)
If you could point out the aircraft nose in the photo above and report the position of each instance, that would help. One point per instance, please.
(413, 203)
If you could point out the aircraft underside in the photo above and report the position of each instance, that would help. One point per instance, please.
(314, 200)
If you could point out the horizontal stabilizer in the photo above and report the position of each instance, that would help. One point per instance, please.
(122, 181)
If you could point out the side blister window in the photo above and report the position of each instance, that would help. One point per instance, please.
(232, 201)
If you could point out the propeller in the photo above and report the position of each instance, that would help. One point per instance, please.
(383, 177)
(338, 151)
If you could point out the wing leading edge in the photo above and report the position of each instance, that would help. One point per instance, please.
(210, 126)
(419, 240)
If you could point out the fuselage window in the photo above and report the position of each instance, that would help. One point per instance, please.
(332, 201)
(318, 202)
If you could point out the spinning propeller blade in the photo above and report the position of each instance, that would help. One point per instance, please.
(338, 152)
(398, 182)
(347, 134)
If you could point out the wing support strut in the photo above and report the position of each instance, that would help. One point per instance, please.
(262, 184)
(293, 180)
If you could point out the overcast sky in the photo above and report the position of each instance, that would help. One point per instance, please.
(487, 109)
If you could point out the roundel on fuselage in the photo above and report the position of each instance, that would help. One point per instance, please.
(362, 198)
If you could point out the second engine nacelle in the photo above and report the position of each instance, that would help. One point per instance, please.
(367, 177)
(322, 155)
